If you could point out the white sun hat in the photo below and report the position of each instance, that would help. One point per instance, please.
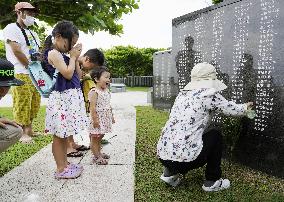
(203, 75)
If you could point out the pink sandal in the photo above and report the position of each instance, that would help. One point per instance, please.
(68, 173)
(99, 160)
(75, 166)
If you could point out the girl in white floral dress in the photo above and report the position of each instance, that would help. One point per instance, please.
(65, 111)
(100, 113)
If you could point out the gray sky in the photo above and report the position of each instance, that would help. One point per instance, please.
(148, 26)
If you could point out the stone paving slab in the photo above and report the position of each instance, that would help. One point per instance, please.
(34, 176)
(100, 183)
(123, 99)
(33, 180)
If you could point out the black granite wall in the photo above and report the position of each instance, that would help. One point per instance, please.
(165, 80)
(244, 40)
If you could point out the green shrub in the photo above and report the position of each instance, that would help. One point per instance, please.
(2, 50)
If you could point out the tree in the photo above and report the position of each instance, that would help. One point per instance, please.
(87, 15)
(129, 60)
(216, 1)
(122, 60)
(40, 30)
(147, 66)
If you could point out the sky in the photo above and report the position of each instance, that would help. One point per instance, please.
(148, 26)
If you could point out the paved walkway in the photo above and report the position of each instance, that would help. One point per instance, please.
(125, 99)
(33, 181)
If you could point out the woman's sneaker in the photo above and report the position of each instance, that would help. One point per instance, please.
(218, 185)
(172, 180)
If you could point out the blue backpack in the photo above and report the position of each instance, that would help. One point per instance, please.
(41, 80)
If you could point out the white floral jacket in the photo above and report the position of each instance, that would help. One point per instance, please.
(181, 138)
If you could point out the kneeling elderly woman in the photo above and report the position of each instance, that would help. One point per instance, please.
(184, 145)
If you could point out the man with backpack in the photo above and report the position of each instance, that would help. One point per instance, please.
(22, 46)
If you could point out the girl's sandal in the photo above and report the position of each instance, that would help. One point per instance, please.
(68, 173)
(75, 166)
(82, 148)
(105, 156)
(75, 154)
(100, 160)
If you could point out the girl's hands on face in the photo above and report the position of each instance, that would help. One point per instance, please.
(76, 51)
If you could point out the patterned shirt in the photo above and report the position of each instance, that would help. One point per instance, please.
(181, 138)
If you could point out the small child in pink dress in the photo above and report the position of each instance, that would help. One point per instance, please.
(100, 113)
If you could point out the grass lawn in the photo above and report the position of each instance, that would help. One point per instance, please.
(18, 153)
(143, 89)
(246, 184)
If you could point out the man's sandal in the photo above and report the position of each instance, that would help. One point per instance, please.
(35, 134)
(26, 140)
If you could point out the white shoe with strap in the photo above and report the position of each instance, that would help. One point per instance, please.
(218, 185)
(171, 180)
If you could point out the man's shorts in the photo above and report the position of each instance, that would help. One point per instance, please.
(26, 101)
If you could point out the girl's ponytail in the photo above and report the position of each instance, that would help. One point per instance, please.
(47, 43)
(46, 47)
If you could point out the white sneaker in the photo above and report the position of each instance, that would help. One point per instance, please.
(172, 180)
(218, 185)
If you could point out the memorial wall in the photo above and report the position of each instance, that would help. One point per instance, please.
(243, 39)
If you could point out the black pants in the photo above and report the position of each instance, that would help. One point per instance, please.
(211, 155)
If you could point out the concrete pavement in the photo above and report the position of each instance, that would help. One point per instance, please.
(125, 98)
(33, 179)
